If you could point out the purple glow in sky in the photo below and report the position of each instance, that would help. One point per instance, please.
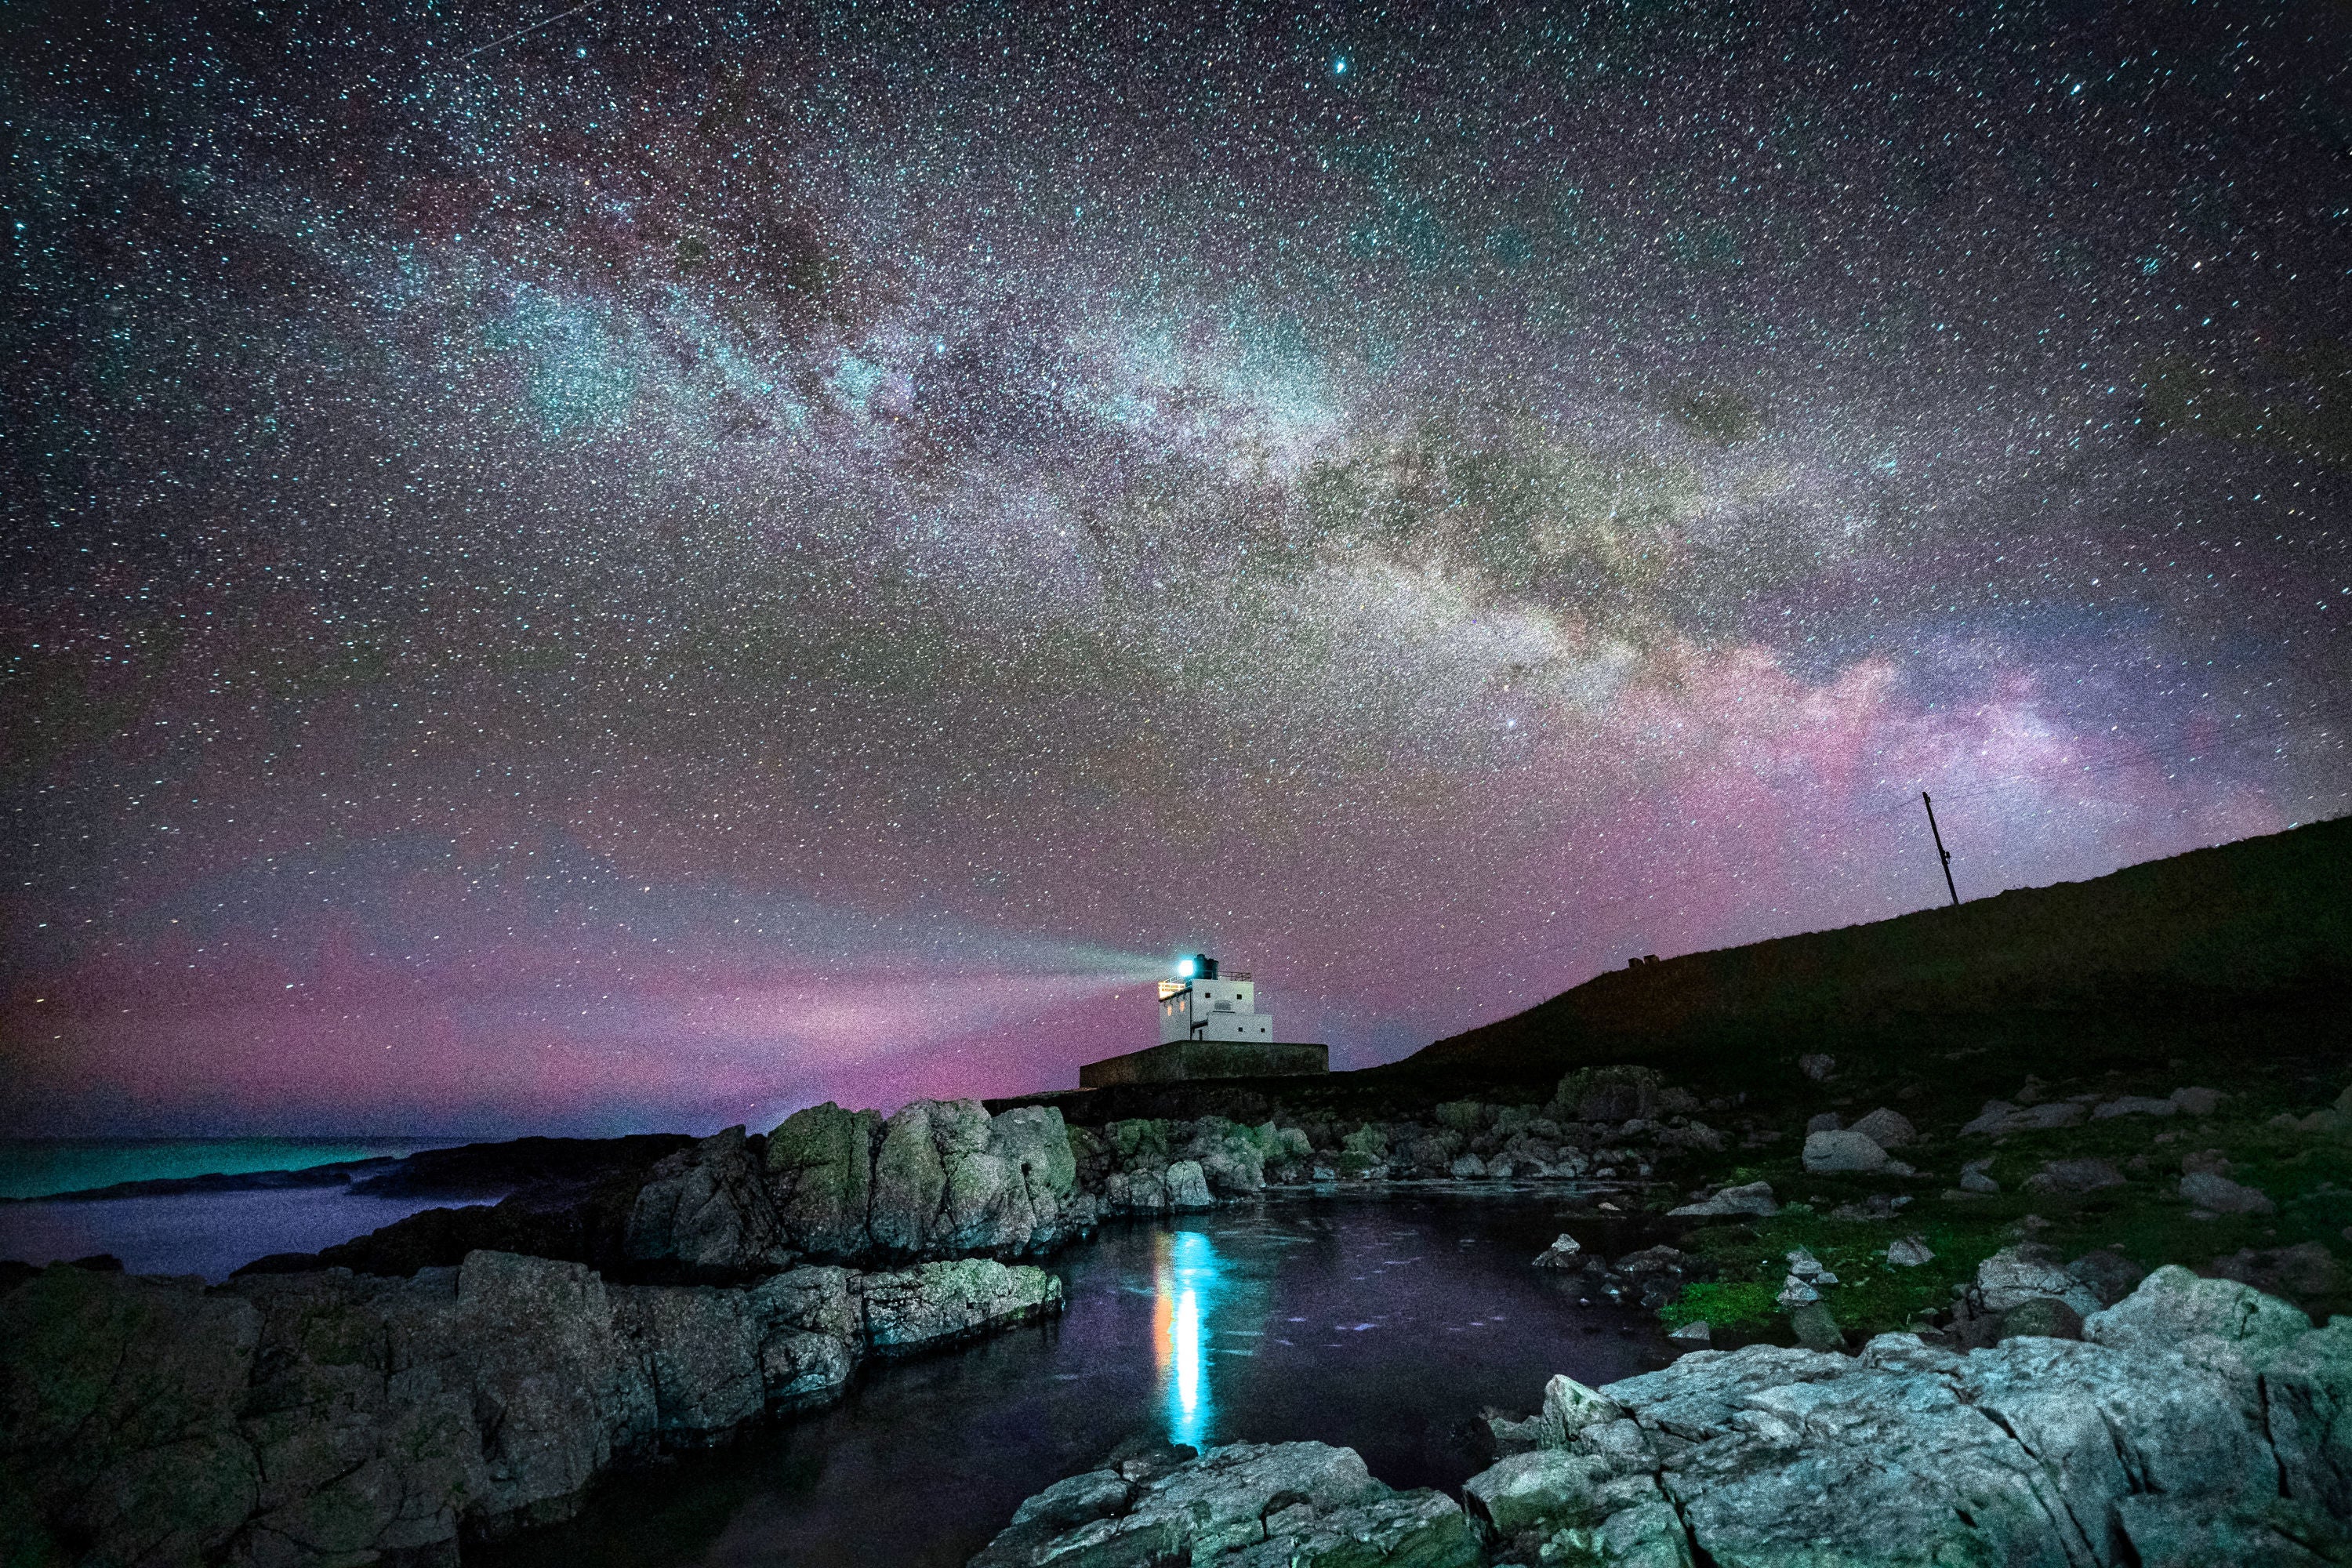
(691, 563)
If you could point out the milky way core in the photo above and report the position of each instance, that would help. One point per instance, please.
(643, 566)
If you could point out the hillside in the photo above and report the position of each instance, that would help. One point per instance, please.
(2240, 952)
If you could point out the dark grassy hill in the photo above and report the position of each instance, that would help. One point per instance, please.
(2240, 954)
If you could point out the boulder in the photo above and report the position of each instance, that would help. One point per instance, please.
(1565, 1252)
(1910, 1252)
(939, 1302)
(1619, 1094)
(1817, 1066)
(1887, 1129)
(1975, 1177)
(1301, 1505)
(1467, 1117)
(1827, 1122)
(1998, 1116)
(1753, 1199)
(2219, 1195)
(948, 1180)
(2173, 1307)
(909, 1183)
(1569, 1407)
(820, 1164)
(1136, 1191)
(1231, 1157)
(2107, 1274)
(2298, 1273)
(1188, 1187)
(1467, 1168)
(1546, 1486)
(2043, 1317)
(1827, 1153)
(2134, 1105)
(2030, 1271)
(1039, 1207)
(2197, 1102)
(1139, 1143)
(1816, 1327)
(708, 1210)
(2073, 1176)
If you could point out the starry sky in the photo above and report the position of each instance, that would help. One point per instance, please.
(644, 564)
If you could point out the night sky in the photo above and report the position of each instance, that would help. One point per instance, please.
(703, 558)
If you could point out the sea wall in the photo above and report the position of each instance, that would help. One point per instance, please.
(332, 1417)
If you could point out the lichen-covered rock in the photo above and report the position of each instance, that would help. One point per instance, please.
(941, 1303)
(1887, 1129)
(1230, 1157)
(2082, 1175)
(950, 1179)
(2173, 1307)
(1569, 1407)
(1545, 1486)
(910, 1181)
(1998, 1117)
(1467, 1117)
(2134, 1105)
(821, 1170)
(1188, 1187)
(1247, 1505)
(1139, 1143)
(2150, 1443)
(1754, 1199)
(1565, 1252)
(1619, 1094)
(2026, 1272)
(2307, 1410)
(1136, 1191)
(2216, 1193)
(1848, 1150)
(709, 1210)
(700, 1348)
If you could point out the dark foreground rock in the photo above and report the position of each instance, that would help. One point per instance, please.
(1247, 1505)
(2197, 1422)
(333, 1417)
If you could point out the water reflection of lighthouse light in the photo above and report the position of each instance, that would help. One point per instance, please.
(1184, 1284)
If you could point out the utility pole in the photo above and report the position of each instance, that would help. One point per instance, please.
(1943, 854)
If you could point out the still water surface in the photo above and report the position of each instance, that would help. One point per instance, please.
(1382, 1325)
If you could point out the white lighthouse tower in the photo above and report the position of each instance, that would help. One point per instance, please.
(1202, 1004)
(1210, 1027)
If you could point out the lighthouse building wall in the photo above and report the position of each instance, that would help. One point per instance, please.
(1214, 1010)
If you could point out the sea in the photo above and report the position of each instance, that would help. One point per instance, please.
(210, 1234)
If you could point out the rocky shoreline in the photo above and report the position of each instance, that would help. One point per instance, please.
(327, 1416)
(470, 1372)
(2196, 1422)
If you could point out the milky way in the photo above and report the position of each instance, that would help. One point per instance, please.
(632, 566)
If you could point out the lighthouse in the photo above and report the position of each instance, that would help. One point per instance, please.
(1202, 1004)
(1210, 1027)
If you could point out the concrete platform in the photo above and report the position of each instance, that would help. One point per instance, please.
(1188, 1061)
